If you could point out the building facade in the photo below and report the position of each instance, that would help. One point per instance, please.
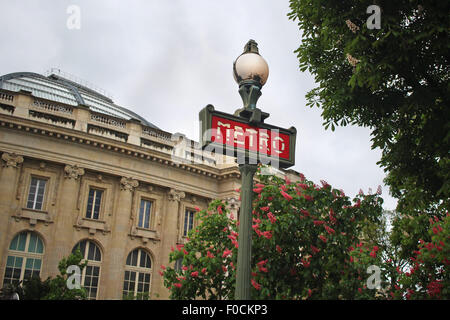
(78, 171)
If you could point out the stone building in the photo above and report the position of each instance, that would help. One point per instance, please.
(79, 171)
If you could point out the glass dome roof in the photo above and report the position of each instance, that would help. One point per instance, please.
(59, 89)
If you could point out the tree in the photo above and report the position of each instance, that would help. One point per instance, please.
(303, 239)
(393, 80)
(58, 289)
(50, 289)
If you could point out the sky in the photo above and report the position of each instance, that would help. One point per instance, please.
(166, 60)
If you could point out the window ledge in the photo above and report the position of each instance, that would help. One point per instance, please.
(92, 225)
(34, 216)
(144, 234)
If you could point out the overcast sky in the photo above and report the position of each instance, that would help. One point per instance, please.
(166, 60)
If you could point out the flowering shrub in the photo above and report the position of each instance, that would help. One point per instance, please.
(428, 274)
(302, 233)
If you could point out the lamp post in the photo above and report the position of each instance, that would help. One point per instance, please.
(250, 71)
(245, 135)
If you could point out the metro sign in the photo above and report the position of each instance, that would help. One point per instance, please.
(250, 143)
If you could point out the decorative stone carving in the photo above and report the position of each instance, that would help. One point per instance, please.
(11, 160)
(128, 184)
(176, 195)
(42, 165)
(73, 172)
(233, 203)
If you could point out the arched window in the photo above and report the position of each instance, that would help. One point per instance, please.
(90, 275)
(24, 259)
(138, 271)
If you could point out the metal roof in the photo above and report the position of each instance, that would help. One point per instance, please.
(59, 89)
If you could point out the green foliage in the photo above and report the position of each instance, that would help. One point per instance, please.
(58, 289)
(428, 266)
(51, 288)
(394, 80)
(301, 239)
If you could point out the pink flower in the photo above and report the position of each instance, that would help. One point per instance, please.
(306, 263)
(379, 190)
(197, 209)
(256, 285)
(315, 249)
(257, 190)
(318, 222)
(226, 253)
(285, 195)
(184, 268)
(163, 267)
(329, 230)
(265, 209)
(209, 255)
(303, 186)
(178, 285)
(305, 212)
(180, 246)
(161, 273)
(278, 248)
(204, 270)
(331, 215)
(271, 217)
(267, 234)
(185, 252)
(262, 262)
(263, 269)
(219, 209)
(323, 238)
(324, 183)
(373, 254)
(194, 274)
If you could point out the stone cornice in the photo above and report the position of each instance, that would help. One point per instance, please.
(80, 137)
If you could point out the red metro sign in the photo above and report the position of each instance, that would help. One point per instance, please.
(235, 136)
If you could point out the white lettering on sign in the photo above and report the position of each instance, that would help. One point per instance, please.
(275, 145)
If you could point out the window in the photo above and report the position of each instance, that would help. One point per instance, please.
(178, 264)
(94, 202)
(36, 193)
(24, 259)
(137, 275)
(144, 214)
(90, 275)
(188, 221)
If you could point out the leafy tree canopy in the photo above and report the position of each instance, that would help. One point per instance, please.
(394, 80)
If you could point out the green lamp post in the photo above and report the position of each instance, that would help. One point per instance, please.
(250, 71)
